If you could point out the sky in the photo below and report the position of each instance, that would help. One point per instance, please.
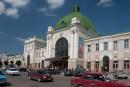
(21, 19)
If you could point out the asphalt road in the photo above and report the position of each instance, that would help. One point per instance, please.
(23, 81)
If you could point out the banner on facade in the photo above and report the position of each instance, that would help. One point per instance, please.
(81, 47)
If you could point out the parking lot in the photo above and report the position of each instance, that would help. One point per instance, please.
(23, 81)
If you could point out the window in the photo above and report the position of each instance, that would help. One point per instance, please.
(126, 43)
(115, 45)
(99, 78)
(32, 46)
(115, 64)
(89, 77)
(42, 53)
(36, 54)
(39, 54)
(88, 65)
(97, 46)
(89, 48)
(106, 46)
(126, 64)
(97, 64)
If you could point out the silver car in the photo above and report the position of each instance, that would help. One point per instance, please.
(120, 74)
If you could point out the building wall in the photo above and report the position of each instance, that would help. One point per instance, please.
(14, 58)
(120, 54)
(32, 47)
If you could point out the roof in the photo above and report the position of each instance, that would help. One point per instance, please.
(66, 20)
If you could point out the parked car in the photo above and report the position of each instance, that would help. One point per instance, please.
(69, 72)
(12, 71)
(3, 78)
(40, 75)
(23, 69)
(120, 74)
(98, 80)
(54, 71)
(79, 70)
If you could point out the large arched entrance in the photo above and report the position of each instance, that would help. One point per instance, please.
(28, 61)
(61, 53)
(106, 63)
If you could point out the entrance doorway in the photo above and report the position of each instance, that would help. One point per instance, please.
(106, 63)
(61, 54)
(28, 61)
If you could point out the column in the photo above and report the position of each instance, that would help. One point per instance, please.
(76, 39)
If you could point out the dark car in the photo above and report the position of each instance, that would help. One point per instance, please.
(98, 80)
(120, 74)
(22, 69)
(54, 71)
(3, 78)
(79, 70)
(40, 75)
(69, 72)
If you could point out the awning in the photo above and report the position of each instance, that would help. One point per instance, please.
(57, 58)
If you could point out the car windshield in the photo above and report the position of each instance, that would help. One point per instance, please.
(43, 72)
(110, 77)
(1, 73)
(13, 69)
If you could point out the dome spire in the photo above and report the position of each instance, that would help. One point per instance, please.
(76, 8)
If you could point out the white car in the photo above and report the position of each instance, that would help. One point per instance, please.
(12, 71)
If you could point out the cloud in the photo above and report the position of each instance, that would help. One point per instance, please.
(17, 3)
(12, 7)
(2, 7)
(46, 12)
(105, 3)
(20, 39)
(3, 34)
(53, 4)
(12, 12)
(44, 9)
(50, 14)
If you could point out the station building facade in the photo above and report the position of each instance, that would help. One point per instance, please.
(73, 41)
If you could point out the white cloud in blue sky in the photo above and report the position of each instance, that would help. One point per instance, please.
(53, 4)
(105, 3)
(12, 12)
(2, 7)
(20, 39)
(2, 34)
(13, 9)
(17, 3)
(45, 11)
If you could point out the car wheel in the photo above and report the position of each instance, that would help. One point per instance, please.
(80, 86)
(39, 80)
(29, 78)
(126, 77)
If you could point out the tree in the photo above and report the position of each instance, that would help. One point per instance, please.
(1, 63)
(18, 63)
(11, 64)
(6, 62)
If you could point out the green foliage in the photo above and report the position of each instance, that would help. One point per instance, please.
(12, 62)
(18, 63)
(1, 63)
(6, 62)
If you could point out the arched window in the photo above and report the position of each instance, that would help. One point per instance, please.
(61, 47)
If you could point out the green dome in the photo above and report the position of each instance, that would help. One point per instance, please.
(66, 20)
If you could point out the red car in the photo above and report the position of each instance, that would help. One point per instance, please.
(98, 80)
(40, 75)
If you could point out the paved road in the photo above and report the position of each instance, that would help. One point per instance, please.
(23, 81)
